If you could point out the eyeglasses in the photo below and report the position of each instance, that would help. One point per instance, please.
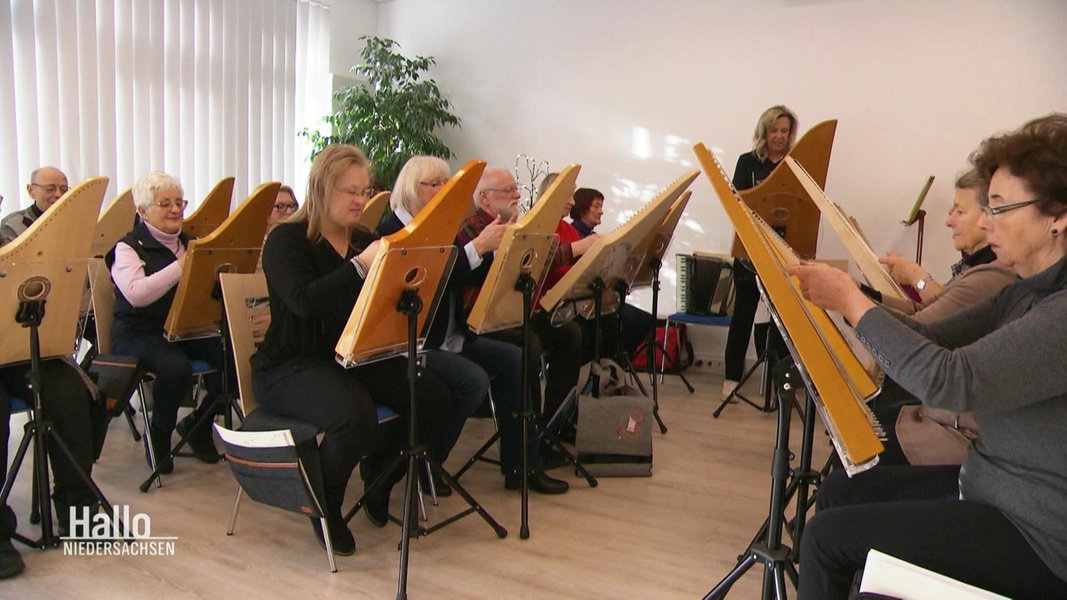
(508, 190)
(167, 204)
(365, 192)
(432, 184)
(993, 211)
(51, 189)
(286, 206)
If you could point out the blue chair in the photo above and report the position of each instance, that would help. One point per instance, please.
(685, 318)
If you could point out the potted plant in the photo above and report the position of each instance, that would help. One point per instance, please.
(391, 114)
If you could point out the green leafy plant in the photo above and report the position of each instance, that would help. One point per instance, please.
(391, 114)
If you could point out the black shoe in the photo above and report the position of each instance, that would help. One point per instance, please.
(161, 446)
(83, 503)
(10, 562)
(340, 536)
(200, 440)
(376, 507)
(538, 482)
(440, 488)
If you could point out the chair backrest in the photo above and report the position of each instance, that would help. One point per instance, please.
(245, 297)
(102, 291)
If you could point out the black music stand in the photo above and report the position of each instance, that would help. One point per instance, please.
(64, 280)
(655, 248)
(606, 269)
(787, 374)
(198, 314)
(521, 263)
(386, 322)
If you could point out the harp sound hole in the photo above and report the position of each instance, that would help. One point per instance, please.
(414, 277)
(226, 268)
(528, 259)
(780, 214)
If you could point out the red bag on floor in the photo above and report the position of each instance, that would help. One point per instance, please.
(674, 362)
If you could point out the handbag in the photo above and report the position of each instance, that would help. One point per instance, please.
(615, 427)
(117, 377)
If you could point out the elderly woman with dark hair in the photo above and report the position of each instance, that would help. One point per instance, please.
(1000, 522)
(588, 210)
(586, 213)
(146, 266)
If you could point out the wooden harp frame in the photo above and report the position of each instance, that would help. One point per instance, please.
(54, 249)
(232, 247)
(115, 221)
(527, 246)
(417, 257)
(847, 232)
(213, 211)
(654, 247)
(840, 382)
(781, 202)
(612, 258)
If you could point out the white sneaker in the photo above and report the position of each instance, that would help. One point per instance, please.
(728, 386)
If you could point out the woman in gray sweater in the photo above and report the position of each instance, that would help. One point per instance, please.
(1004, 525)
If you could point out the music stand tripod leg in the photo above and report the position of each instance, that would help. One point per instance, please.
(45, 438)
(774, 556)
(415, 454)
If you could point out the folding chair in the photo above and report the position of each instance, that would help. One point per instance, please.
(273, 458)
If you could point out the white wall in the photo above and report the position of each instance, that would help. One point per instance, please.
(626, 87)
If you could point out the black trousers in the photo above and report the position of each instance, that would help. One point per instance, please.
(68, 404)
(562, 347)
(746, 300)
(913, 513)
(342, 402)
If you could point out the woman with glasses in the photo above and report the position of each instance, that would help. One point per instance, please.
(316, 263)
(1000, 522)
(460, 358)
(284, 206)
(146, 266)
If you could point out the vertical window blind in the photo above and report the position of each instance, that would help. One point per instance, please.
(200, 89)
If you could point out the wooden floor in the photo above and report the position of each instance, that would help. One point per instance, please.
(674, 535)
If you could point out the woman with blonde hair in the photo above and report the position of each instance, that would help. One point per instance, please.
(316, 263)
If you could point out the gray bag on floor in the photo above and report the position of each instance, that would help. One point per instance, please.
(615, 429)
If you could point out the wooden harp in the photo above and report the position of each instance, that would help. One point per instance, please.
(842, 384)
(233, 247)
(782, 202)
(847, 231)
(612, 258)
(47, 262)
(527, 246)
(115, 221)
(212, 211)
(654, 247)
(418, 257)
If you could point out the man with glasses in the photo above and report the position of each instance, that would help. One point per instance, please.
(47, 185)
(498, 195)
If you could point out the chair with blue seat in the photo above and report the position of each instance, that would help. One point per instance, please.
(675, 320)
(273, 458)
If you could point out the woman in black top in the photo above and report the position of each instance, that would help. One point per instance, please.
(315, 263)
(776, 132)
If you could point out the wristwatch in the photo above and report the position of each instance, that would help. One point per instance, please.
(921, 284)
